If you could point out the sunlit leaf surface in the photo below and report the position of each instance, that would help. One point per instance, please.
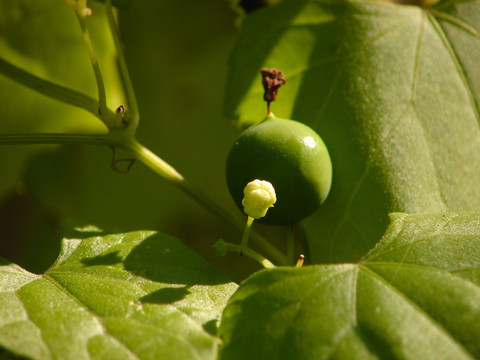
(416, 295)
(139, 295)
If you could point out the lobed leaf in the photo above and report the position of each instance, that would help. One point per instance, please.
(411, 297)
(138, 295)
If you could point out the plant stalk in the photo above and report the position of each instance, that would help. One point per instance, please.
(133, 111)
(82, 13)
(246, 234)
(251, 254)
(58, 139)
(50, 89)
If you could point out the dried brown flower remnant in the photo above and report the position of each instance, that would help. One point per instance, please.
(272, 79)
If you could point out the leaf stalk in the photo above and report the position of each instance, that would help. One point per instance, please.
(250, 253)
(82, 12)
(133, 111)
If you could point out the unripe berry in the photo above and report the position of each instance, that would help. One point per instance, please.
(292, 157)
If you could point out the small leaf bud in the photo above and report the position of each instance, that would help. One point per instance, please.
(259, 197)
(220, 248)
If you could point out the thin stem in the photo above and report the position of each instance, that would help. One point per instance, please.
(133, 111)
(154, 162)
(49, 88)
(58, 138)
(251, 254)
(82, 13)
(246, 234)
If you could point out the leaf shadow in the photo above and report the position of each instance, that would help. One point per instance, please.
(164, 259)
(170, 295)
(106, 259)
(375, 343)
(211, 327)
(166, 295)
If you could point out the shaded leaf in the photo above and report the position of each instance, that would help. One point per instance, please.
(409, 298)
(138, 295)
(393, 90)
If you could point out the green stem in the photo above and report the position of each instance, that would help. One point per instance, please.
(58, 138)
(246, 234)
(251, 254)
(49, 88)
(82, 14)
(155, 163)
(133, 111)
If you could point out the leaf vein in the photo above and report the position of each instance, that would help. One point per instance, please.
(42, 336)
(420, 267)
(430, 237)
(137, 286)
(97, 317)
(359, 182)
(457, 22)
(306, 294)
(462, 73)
(415, 306)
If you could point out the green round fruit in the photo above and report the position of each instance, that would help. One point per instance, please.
(292, 157)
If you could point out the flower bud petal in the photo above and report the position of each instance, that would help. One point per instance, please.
(259, 197)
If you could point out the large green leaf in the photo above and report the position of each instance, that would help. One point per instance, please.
(416, 295)
(394, 92)
(138, 295)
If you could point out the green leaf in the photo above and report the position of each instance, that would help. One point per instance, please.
(414, 296)
(393, 90)
(138, 295)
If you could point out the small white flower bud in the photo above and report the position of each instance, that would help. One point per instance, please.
(259, 196)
